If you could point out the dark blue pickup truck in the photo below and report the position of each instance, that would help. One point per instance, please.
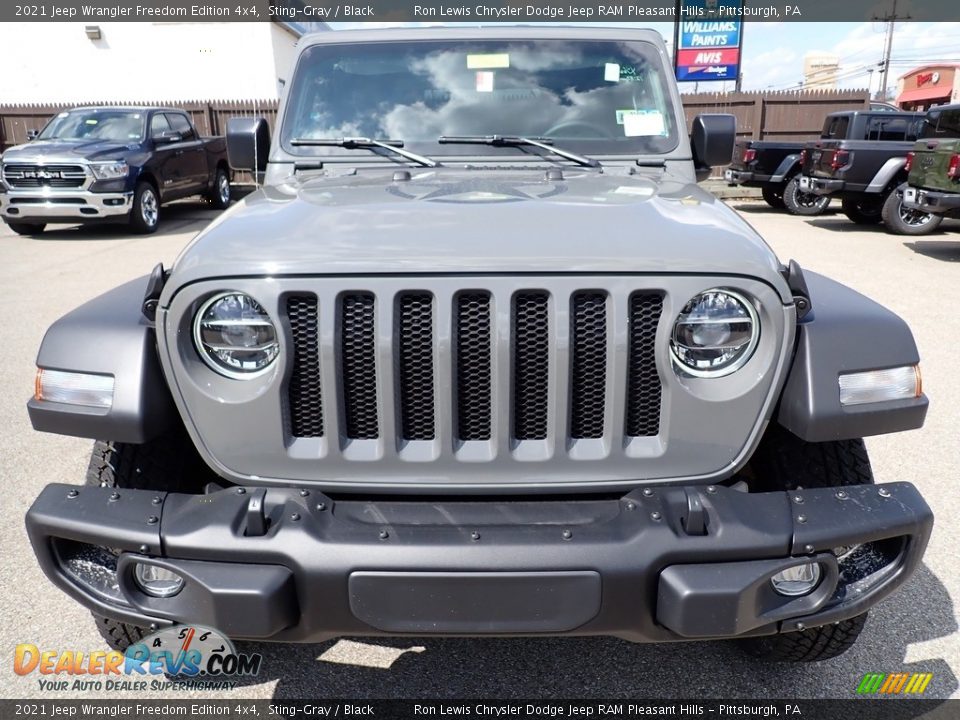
(99, 164)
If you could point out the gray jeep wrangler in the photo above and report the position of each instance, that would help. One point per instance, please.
(480, 358)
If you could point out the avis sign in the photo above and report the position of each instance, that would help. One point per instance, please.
(708, 39)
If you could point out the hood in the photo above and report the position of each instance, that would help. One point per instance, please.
(478, 221)
(68, 150)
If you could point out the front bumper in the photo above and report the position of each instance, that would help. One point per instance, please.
(67, 205)
(821, 186)
(931, 201)
(658, 564)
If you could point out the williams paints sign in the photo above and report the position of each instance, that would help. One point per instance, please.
(708, 37)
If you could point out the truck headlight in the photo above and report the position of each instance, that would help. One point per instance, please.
(715, 334)
(235, 336)
(109, 170)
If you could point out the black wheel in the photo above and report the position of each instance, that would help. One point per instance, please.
(785, 462)
(167, 463)
(903, 221)
(145, 215)
(773, 196)
(219, 196)
(27, 228)
(863, 212)
(803, 203)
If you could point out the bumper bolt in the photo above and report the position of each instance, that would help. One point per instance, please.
(841, 495)
(152, 520)
(295, 517)
(241, 491)
(883, 492)
(711, 489)
(631, 506)
(154, 626)
(144, 548)
(808, 548)
(114, 497)
(801, 626)
(648, 492)
(801, 519)
(321, 506)
(798, 499)
(567, 534)
(304, 493)
(157, 500)
(655, 516)
(384, 534)
(73, 493)
(474, 536)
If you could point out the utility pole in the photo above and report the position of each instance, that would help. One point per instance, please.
(891, 21)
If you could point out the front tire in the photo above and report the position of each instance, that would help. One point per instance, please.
(803, 203)
(903, 221)
(145, 214)
(773, 196)
(863, 212)
(785, 462)
(169, 463)
(27, 228)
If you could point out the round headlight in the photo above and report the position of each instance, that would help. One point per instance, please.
(235, 336)
(716, 334)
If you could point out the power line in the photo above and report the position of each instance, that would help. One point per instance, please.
(891, 21)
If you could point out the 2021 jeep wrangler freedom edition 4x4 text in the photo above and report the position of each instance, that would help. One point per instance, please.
(481, 358)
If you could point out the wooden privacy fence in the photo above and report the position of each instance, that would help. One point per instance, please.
(789, 115)
(792, 115)
(209, 116)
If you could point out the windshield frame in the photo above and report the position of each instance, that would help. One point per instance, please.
(671, 143)
(113, 110)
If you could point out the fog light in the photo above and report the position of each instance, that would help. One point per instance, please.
(798, 580)
(74, 388)
(157, 581)
(902, 383)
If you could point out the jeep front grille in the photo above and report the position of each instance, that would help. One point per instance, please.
(35, 176)
(543, 330)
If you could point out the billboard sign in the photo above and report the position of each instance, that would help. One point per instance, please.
(707, 40)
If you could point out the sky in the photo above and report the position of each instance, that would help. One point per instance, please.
(773, 52)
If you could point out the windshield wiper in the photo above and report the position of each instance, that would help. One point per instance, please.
(351, 143)
(518, 141)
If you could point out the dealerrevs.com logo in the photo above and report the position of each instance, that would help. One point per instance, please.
(188, 657)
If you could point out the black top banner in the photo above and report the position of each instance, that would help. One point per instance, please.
(514, 11)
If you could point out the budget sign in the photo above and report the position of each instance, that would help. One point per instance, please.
(708, 40)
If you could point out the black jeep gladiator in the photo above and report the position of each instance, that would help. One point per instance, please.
(862, 163)
(102, 164)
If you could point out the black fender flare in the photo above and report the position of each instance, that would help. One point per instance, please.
(785, 168)
(108, 335)
(846, 332)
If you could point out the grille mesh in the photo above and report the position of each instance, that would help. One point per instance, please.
(306, 408)
(415, 345)
(358, 366)
(531, 348)
(643, 386)
(589, 380)
(473, 366)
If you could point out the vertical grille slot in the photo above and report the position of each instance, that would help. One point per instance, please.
(304, 395)
(531, 351)
(473, 366)
(358, 349)
(415, 347)
(589, 367)
(643, 384)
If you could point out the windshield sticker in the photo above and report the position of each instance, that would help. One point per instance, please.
(91, 121)
(611, 72)
(484, 81)
(492, 60)
(643, 122)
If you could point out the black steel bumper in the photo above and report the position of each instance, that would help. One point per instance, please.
(821, 186)
(745, 177)
(932, 201)
(663, 563)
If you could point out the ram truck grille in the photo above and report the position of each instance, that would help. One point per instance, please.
(38, 176)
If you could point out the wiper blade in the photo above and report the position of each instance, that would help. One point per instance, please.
(519, 141)
(351, 143)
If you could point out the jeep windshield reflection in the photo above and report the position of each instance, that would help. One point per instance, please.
(594, 97)
(111, 125)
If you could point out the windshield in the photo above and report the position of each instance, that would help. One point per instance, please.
(594, 97)
(115, 125)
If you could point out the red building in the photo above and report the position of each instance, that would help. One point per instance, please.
(924, 87)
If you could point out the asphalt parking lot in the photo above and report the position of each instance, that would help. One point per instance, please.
(915, 631)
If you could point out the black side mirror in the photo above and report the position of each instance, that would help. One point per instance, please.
(32, 134)
(248, 143)
(712, 139)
